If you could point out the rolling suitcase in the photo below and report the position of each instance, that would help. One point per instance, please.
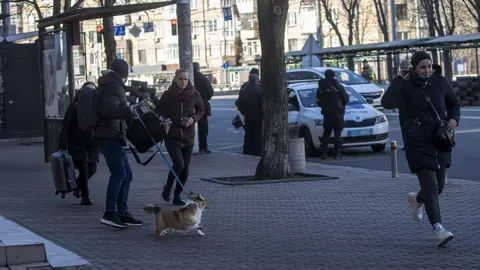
(63, 172)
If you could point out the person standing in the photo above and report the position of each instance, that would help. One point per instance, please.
(183, 105)
(332, 98)
(249, 103)
(425, 99)
(115, 115)
(80, 146)
(204, 87)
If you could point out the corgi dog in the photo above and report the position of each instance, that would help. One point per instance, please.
(185, 219)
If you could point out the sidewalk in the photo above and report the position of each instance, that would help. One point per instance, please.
(360, 221)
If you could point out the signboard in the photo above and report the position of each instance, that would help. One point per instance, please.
(148, 27)
(135, 31)
(225, 58)
(119, 30)
(225, 65)
(227, 13)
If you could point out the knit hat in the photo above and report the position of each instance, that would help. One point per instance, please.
(120, 67)
(255, 71)
(418, 56)
(329, 74)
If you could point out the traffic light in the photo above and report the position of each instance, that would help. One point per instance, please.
(174, 27)
(99, 33)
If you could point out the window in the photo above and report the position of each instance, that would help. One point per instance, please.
(196, 52)
(302, 75)
(213, 51)
(193, 4)
(142, 56)
(229, 28)
(292, 19)
(196, 27)
(292, 44)
(212, 3)
(401, 12)
(158, 30)
(334, 14)
(293, 101)
(402, 35)
(249, 48)
(172, 52)
(255, 48)
(93, 59)
(334, 42)
(91, 36)
(212, 26)
(226, 3)
(160, 54)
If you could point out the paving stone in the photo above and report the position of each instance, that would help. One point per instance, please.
(360, 221)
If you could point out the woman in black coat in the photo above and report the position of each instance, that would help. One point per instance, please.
(410, 90)
(80, 146)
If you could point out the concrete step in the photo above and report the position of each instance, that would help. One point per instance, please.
(21, 249)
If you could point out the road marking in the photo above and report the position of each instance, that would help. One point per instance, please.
(227, 147)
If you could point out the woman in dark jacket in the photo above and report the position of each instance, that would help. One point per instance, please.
(183, 105)
(410, 90)
(80, 146)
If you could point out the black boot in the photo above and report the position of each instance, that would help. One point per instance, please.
(86, 201)
(177, 200)
(166, 194)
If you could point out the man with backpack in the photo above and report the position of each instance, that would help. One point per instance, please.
(332, 98)
(114, 116)
(204, 87)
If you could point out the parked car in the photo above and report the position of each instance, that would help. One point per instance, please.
(344, 76)
(364, 125)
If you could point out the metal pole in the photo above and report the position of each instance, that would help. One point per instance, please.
(6, 17)
(394, 27)
(476, 60)
(184, 34)
(319, 28)
(393, 148)
(225, 47)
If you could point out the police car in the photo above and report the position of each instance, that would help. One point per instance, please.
(364, 125)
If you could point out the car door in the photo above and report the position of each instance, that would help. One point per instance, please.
(293, 110)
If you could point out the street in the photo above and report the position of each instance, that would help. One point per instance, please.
(223, 137)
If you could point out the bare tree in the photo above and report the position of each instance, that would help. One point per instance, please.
(473, 8)
(272, 18)
(350, 11)
(383, 25)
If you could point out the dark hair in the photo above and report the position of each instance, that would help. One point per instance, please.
(196, 66)
(329, 74)
(255, 71)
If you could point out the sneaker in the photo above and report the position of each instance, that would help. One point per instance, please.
(86, 201)
(442, 235)
(113, 220)
(417, 213)
(129, 220)
(205, 151)
(177, 200)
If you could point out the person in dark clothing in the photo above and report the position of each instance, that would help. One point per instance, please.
(410, 90)
(249, 103)
(80, 146)
(183, 105)
(332, 98)
(115, 115)
(204, 87)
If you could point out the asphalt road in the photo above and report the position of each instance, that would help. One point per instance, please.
(223, 137)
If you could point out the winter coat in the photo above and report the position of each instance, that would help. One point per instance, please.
(204, 87)
(175, 104)
(332, 97)
(420, 120)
(113, 110)
(249, 101)
(81, 146)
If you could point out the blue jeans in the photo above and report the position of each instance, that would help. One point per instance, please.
(120, 176)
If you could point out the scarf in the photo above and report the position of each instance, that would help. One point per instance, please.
(184, 95)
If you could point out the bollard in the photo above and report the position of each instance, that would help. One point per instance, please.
(393, 148)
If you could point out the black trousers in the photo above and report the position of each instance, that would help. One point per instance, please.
(203, 132)
(181, 161)
(85, 171)
(432, 183)
(252, 141)
(336, 124)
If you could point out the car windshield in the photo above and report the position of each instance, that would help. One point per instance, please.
(348, 77)
(308, 97)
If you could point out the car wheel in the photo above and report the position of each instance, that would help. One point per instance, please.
(307, 138)
(378, 147)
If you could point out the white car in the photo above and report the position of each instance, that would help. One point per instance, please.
(344, 76)
(364, 125)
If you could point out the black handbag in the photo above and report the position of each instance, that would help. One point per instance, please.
(443, 138)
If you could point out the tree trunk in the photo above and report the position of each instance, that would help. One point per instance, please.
(108, 36)
(272, 17)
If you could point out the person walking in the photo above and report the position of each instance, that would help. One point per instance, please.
(332, 98)
(80, 146)
(249, 103)
(204, 87)
(427, 99)
(183, 105)
(115, 115)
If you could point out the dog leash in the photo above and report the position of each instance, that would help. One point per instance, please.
(160, 151)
